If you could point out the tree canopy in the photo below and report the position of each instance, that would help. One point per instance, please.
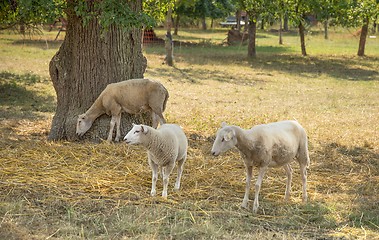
(32, 13)
(346, 13)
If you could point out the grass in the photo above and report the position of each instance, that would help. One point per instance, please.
(66, 190)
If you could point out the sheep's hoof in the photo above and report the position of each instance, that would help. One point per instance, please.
(287, 199)
(153, 193)
(255, 208)
(244, 205)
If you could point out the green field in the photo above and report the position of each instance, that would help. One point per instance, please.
(81, 190)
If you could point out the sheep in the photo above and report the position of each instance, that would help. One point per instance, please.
(267, 145)
(165, 146)
(132, 96)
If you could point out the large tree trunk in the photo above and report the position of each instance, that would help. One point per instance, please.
(363, 37)
(302, 39)
(83, 66)
(252, 31)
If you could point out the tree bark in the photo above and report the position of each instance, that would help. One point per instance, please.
(326, 32)
(285, 23)
(252, 31)
(246, 27)
(280, 31)
(85, 64)
(238, 17)
(169, 45)
(203, 24)
(363, 37)
(176, 29)
(302, 39)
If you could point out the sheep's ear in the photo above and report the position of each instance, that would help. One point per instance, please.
(223, 124)
(228, 136)
(143, 129)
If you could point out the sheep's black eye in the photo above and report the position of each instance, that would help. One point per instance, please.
(223, 139)
(136, 131)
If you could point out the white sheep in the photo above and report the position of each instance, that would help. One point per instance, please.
(165, 146)
(132, 96)
(268, 145)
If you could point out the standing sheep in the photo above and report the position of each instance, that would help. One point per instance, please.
(132, 96)
(165, 146)
(268, 145)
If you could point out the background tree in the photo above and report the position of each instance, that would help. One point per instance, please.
(325, 10)
(169, 44)
(254, 10)
(162, 12)
(279, 12)
(203, 9)
(24, 15)
(298, 10)
(361, 13)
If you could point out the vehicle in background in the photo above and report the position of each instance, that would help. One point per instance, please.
(231, 21)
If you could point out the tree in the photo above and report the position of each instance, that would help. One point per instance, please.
(202, 9)
(298, 10)
(362, 12)
(169, 44)
(28, 15)
(102, 45)
(254, 10)
(277, 11)
(325, 10)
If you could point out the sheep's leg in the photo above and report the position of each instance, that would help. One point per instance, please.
(258, 184)
(111, 128)
(154, 118)
(180, 171)
(166, 170)
(303, 172)
(118, 131)
(154, 170)
(249, 173)
(288, 169)
(161, 118)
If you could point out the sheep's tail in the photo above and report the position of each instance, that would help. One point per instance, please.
(303, 150)
(166, 98)
(307, 152)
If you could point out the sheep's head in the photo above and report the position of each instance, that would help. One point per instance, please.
(83, 124)
(135, 135)
(225, 140)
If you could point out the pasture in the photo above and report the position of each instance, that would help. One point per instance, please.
(82, 190)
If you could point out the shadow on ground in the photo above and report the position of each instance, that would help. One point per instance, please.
(19, 99)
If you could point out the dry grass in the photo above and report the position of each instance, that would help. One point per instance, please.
(65, 190)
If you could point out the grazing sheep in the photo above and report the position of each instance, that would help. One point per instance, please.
(165, 146)
(267, 145)
(132, 96)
